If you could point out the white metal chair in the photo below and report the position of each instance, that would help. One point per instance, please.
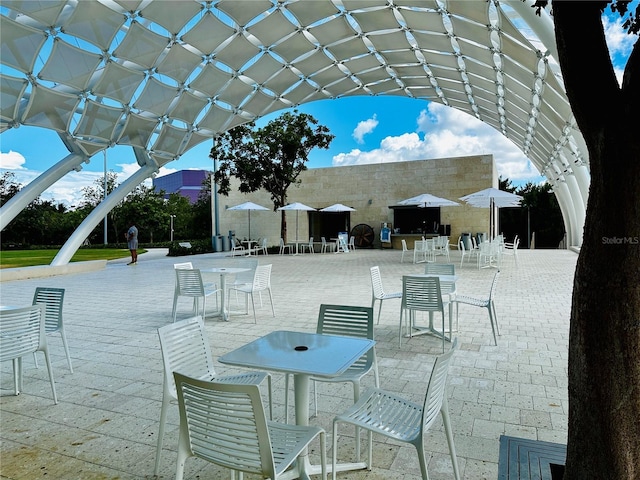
(405, 250)
(52, 299)
(488, 254)
(419, 251)
(326, 245)
(185, 348)
(464, 252)
(237, 248)
(263, 247)
(511, 249)
(284, 247)
(442, 247)
(447, 287)
(352, 243)
(225, 424)
(189, 266)
(377, 290)
(22, 332)
(189, 284)
(388, 414)
(308, 246)
(421, 294)
(488, 303)
(261, 282)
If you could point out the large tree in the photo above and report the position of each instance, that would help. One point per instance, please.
(604, 338)
(269, 158)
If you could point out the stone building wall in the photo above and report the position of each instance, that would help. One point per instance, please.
(370, 189)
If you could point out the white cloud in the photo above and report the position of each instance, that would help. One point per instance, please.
(364, 127)
(619, 42)
(447, 132)
(11, 160)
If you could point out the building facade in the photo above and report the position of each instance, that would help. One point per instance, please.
(374, 191)
(187, 183)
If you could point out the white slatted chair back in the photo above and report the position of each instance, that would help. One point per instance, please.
(22, 332)
(225, 424)
(186, 349)
(53, 299)
(420, 294)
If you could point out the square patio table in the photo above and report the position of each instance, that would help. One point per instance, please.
(304, 355)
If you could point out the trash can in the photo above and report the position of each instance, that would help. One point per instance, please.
(481, 238)
(216, 241)
(226, 245)
(466, 240)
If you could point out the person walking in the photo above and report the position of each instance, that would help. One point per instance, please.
(132, 242)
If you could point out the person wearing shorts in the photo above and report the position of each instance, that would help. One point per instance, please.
(132, 243)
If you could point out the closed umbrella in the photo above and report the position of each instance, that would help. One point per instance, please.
(248, 206)
(490, 198)
(297, 206)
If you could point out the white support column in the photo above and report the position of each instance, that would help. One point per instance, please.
(95, 217)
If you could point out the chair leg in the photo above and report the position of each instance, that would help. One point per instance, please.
(175, 305)
(273, 308)
(50, 370)
(17, 375)
(495, 316)
(163, 420)
(493, 328)
(444, 411)
(253, 304)
(66, 348)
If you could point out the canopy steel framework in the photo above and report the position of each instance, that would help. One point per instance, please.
(165, 76)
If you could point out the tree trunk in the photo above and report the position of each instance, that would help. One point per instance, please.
(604, 338)
(283, 225)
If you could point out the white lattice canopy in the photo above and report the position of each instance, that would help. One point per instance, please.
(164, 76)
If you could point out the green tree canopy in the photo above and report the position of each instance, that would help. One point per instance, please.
(269, 158)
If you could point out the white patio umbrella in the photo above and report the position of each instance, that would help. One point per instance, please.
(248, 206)
(490, 198)
(425, 200)
(337, 207)
(297, 206)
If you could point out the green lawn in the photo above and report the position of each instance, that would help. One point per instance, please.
(27, 258)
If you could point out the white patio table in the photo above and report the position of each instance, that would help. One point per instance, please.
(223, 272)
(304, 355)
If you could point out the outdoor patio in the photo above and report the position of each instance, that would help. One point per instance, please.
(106, 424)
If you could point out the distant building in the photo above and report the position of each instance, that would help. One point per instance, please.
(187, 183)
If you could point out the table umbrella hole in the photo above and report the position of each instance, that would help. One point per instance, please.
(301, 348)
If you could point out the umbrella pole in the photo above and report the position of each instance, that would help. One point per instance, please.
(249, 225)
(297, 232)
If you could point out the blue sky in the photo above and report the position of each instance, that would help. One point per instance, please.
(367, 130)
